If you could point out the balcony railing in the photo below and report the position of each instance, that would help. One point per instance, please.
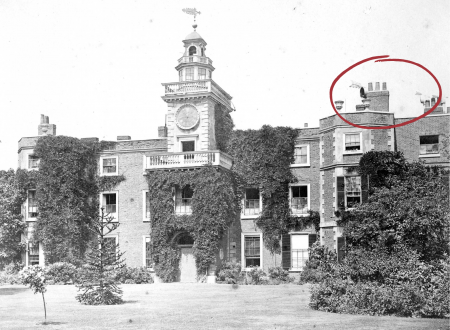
(195, 58)
(299, 258)
(183, 206)
(299, 205)
(187, 87)
(188, 159)
(251, 207)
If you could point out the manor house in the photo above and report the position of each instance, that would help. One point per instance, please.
(325, 158)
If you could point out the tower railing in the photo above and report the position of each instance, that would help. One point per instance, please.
(187, 87)
(195, 59)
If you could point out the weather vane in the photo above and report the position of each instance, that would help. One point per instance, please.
(192, 11)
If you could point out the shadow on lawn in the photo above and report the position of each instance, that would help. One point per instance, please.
(51, 323)
(11, 291)
(130, 302)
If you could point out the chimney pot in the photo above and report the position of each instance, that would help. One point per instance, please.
(339, 104)
(306, 124)
(384, 86)
(42, 119)
(370, 87)
(377, 86)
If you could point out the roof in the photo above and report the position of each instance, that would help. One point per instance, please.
(193, 35)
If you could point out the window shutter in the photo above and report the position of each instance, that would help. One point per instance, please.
(364, 188)
(286, 251)
(340, 248)
(312, 239)
(340, 188)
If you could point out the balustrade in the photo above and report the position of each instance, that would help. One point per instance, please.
(188, 159)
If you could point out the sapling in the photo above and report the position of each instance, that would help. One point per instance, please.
(34, 276)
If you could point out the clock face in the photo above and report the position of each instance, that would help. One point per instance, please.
(187, 116)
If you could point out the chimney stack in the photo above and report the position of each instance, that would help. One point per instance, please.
(162, 131)
(378, 99)
(45, 128)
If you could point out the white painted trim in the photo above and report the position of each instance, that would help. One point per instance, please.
(101, 165)
(291, 233)
(261, 249)
(144, 204)
(361, 145)
(26, 208)
(144, 237)
(309, 197)
(251, 216)
(308, 162)
(430, 156)
(116, 215)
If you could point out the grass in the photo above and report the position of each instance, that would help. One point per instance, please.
(188, 306)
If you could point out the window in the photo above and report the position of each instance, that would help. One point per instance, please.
(33, 254)
(146, 203)
(109, 204)
(252, 202)
(183, 200)
(32, 209)
(201, 73)
(180, 75)
(429, 144)
(33, 162)
(299, 250)
(192, 50)
(187, 146)
(110, 247)
(301, 155)
(348, 191)
(252, 251)
(299, 200)
(148, 255)
(189, 74)
(352, 142)
(109, 165)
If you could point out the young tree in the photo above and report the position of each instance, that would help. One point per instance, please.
(11, 220)
(98, 284)
(34, 276)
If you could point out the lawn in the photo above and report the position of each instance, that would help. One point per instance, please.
(188, 306)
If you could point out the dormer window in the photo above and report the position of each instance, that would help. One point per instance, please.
(192, 50)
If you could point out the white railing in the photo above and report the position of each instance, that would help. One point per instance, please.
(195, 58)
(188, 159)
(187, 87)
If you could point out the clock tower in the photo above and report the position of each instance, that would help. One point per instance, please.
(193, 100)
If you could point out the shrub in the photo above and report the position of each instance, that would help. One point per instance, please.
(14, 268)
(9, 278)
(256, 276)
(61, 272)
(321, 264)
(129, 275)
(278, 274)
(229, 272)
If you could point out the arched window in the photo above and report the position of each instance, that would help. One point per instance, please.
(192, 50)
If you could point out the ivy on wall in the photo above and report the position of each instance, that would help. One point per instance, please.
(223, 127)
(67, 189)
(215, 205)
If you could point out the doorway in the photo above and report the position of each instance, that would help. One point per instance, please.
(188, 270)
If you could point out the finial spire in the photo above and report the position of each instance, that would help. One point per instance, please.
(192, 11)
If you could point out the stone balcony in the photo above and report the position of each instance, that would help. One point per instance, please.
(187, 160)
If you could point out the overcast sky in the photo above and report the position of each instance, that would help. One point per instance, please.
(96, 67)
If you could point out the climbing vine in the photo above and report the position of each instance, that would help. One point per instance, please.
(67, 189)
(223, 127)
(215, 205)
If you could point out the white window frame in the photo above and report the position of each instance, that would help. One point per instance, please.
(101, 165)
(179, 189)
(116, 215)
(28, 162)
(261, 249)
(349, 152)
(307, 164)
(26, 208)
(251, 216)
(309, 198)
(144, 259)
(144, 206)
(291, 254)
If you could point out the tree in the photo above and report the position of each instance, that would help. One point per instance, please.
(414, 211)
(97, 282)
(34, 276)
(11, 219)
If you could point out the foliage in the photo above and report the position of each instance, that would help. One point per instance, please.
(137, 275)
(98, 285)
(382, 167)
(321, 264)
(262, 158)
(6, 278)
(229, 272)
(414, 211)
(215, 206)
(223, 127)
(11, 220)
(61, 272)
(279, 274)
(34, 276)
(256, 276)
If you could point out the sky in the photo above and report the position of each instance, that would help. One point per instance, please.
(96, 67)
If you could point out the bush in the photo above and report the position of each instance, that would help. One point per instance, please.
(256, 276)
(321, 264)
(9, 278)
(61, 272)
(279, 275)
(129, 275)
(14, 268)
(229, 272)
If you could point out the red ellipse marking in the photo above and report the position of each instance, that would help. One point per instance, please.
(382, 58)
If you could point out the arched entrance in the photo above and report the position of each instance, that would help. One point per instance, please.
(188, 271)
